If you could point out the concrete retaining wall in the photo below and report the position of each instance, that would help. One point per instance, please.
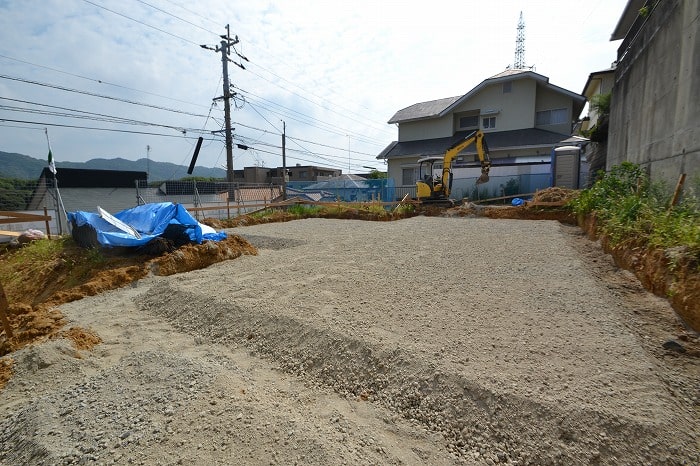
(655, 110)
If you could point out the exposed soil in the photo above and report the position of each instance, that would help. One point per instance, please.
(422, 341)
(39, 288)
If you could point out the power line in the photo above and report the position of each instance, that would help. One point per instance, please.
(382, 128)
(60, 125)
(325, 126)
(110, 118)
(295, 142)
(141, 22)
(327, 165)
(102, 96)
(331, 147)
(22, 127)
(100, 81)
(305, 140)
(253, 63)
(307, 99)
(274, 74)
(87, 115)
(176, 17)
(304, 151)
(225, 48)
(340, 131)
(321, 125)
(192, 12)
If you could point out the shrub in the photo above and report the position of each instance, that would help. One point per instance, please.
(303, 211)
(629, 207)
(261, 213)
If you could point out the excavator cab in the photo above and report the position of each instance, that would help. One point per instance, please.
(430, 180)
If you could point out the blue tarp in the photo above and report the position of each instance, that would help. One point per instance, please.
(149, 220)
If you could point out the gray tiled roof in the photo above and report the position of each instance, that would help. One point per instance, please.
(423, 109)
(440, 107)
(509, 72)
(342, 181)
(496, 141)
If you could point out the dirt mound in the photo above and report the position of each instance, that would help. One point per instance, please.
(42, 283)
(83, 339)
(554, 194)
(529, 212)
(547, 204)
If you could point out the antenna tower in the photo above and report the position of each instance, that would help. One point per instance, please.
(519, 63)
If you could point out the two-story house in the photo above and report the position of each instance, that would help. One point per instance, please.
(522, 115)
(595, 124)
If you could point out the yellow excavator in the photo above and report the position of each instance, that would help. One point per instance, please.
(436, 189)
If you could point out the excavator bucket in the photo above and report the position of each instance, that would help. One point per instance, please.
(483, 178)
(485, 168)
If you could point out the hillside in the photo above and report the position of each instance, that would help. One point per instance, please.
(24, 167)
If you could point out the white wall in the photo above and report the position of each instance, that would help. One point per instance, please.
(515, 109)
(548, 99)
(426, 129)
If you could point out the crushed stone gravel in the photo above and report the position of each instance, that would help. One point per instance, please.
(421, 341)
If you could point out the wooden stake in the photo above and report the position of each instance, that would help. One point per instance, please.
(677, 192)
(48, 228)
(402, 201)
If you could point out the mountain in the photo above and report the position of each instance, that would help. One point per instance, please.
(20, 166)
(28, 168)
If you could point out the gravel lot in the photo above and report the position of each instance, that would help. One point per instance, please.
(421, 341)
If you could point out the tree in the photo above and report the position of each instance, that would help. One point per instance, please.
(377, 175)
(600, 103)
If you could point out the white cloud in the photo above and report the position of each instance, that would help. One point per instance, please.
(348, 65)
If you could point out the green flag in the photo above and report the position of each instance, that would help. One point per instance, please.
(52, 164)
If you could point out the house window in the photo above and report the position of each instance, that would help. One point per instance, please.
(408, 176)
(489, 122)
(507, 87)
(303, 174)
(551, 117)
(469, 121)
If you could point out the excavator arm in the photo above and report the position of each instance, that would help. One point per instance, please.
(482, 151)
(439, 189)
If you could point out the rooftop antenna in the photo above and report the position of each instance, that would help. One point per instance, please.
(519, 63)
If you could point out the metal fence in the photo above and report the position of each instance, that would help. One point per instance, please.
(462, 188)
(346, 190)
(214, 199)
(219, 199)
(499, 186)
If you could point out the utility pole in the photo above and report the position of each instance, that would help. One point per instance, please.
(284, 161)
(227, 106)
(225, 47)
(148, 161)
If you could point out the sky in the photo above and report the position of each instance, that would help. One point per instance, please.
(129, 78)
